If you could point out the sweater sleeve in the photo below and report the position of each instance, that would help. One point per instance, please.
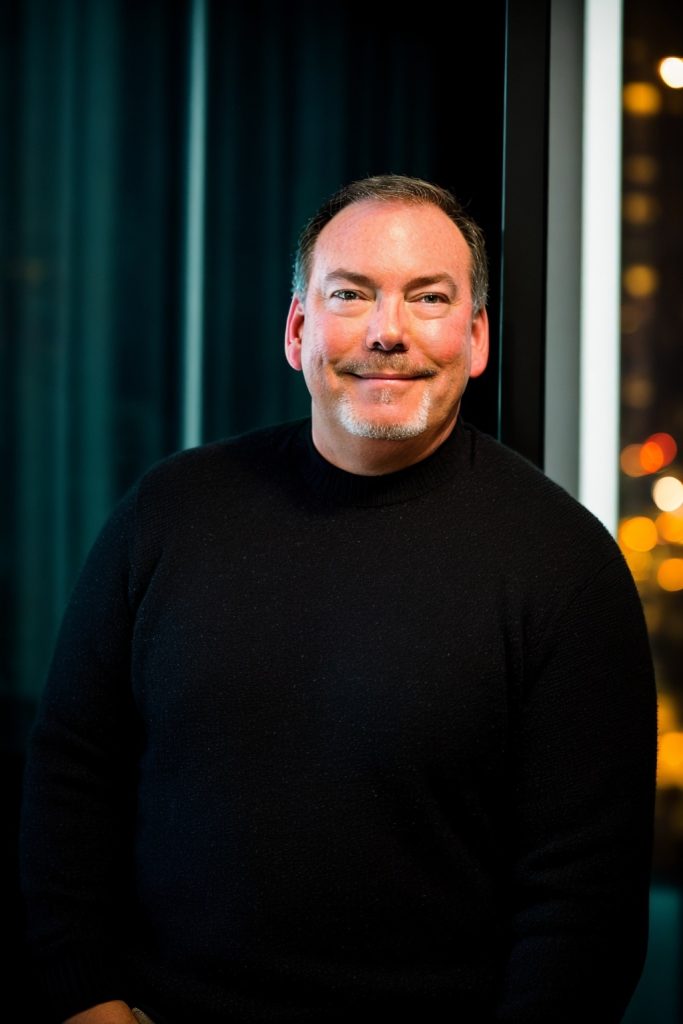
(583, 805)
(76, 846)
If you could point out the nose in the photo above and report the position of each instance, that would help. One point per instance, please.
(387, 330)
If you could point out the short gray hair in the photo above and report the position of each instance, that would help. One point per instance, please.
(387, 188)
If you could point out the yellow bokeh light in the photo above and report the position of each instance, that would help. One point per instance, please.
(667, 493)
(670, 759)
(640, 280)
(638, 534)
(671, 72)
(642, 99)
(640, 208)
(670, 527)
(670, 574)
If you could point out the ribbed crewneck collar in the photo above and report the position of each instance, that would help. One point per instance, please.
(336, 486)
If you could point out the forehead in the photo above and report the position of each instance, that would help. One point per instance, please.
(377, 236)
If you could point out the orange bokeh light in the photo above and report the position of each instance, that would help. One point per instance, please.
(670, 574)
(670, 759)
(657, 451)
(638, 533)
(651, 457)
(670, 527)
(666, 444)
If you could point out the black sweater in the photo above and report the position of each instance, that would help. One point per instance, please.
(316, 746)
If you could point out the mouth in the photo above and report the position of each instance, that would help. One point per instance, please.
(386, 373)
(390, 376)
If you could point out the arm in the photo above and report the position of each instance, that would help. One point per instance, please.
(77, 817)
(582, 812)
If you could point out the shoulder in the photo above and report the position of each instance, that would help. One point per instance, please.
(186, 499)
(217, 460)
(562, 569)
(523, 493)
(533, 528)
(196, 491)
(508, 468)
(261, 444)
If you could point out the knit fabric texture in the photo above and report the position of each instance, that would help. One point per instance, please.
(316, 746)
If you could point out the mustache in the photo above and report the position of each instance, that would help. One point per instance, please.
(392, 362)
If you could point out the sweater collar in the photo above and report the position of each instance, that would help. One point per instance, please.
(336, 486)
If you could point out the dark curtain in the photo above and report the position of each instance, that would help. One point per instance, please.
(94, 183)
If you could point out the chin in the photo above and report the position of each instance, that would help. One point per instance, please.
(380, 428)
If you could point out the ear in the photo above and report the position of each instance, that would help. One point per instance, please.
(293, 332)
(479, 342)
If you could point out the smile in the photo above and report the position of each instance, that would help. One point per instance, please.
(387, 376)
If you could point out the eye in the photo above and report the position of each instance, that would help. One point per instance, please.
(432, 298)
(346, 294)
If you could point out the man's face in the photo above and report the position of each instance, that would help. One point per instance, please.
(385, 337)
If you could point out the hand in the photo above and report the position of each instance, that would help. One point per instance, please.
(114, 1012)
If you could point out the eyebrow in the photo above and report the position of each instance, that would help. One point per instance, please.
(340, 274)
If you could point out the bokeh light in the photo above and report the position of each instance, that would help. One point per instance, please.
(641, 169)
(667, 493)
(651, 457)
(667, 445)
(670, 527)
(638, 533)
(671, 72)
(670, 574)
(629, 460)
(642, 99)
(640, 280)
(640, 208)
(670, 759)
(636, 390)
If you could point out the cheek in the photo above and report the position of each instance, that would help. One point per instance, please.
(454, 348)
(453, 358)
(315, 366)
(327, 340)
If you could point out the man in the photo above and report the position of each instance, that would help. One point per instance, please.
(353, 715)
